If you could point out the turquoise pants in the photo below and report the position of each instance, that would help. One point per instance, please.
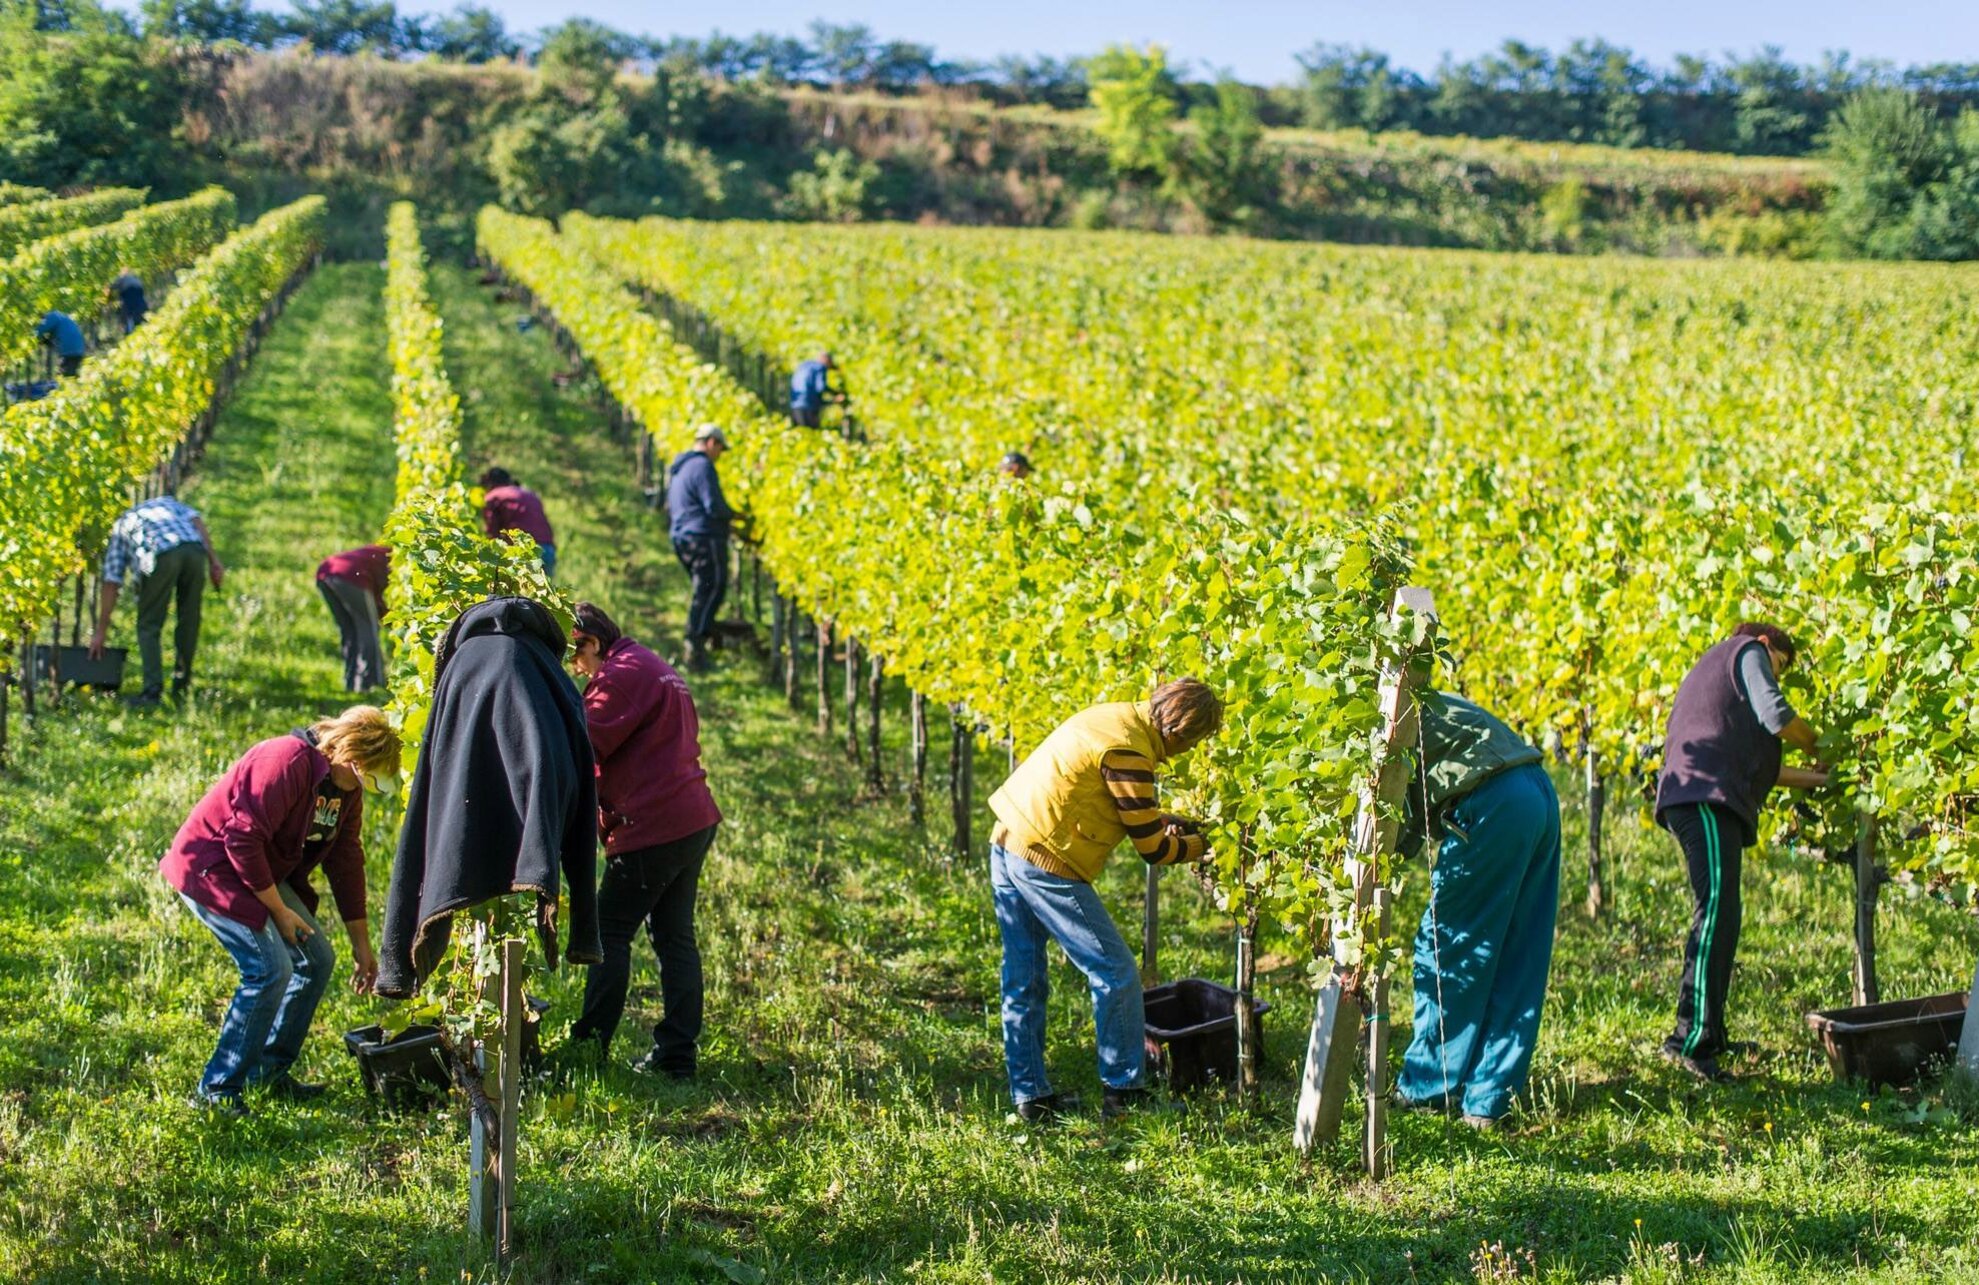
(1485, 946)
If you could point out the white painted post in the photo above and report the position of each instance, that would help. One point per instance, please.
(1968, 1041)
(1352, 990)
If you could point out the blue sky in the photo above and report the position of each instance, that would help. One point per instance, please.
(1257, 38)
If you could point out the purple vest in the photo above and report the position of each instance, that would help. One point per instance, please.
(1717, 750)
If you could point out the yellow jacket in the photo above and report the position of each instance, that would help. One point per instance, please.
(1056, 810)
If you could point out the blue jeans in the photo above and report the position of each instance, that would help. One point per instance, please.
(549, 552)
(262, 1033)
(1033, 907)
(1481, 975)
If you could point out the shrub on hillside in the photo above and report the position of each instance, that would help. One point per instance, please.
(1906, 181)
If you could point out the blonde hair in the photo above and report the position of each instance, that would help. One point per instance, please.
(361, 737)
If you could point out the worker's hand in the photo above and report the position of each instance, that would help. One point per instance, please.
(364, 968)
(294, 929)
(96, 644)
(1180, 826)
(215, 572)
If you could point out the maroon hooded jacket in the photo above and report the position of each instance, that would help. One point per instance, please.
(248, 834)
(647, 737)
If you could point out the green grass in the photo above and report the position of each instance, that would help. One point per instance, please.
(851, 1122)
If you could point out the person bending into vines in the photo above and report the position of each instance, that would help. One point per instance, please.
(657, 819)
(1721, 757)
(241, 863)
(1485, 946)
(1089, 785)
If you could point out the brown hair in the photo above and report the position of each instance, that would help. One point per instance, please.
(1186, 710)
(1766, 633)
(592, 622)
(361, 737)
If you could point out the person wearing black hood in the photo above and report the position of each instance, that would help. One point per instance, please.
(698, 518)
(504, 797)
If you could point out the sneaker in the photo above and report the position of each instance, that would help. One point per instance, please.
(1115, 1103)
(1482, 1123)
(1705, 1069)
(227, 1104)
(1048, 1108)
(286, 1088)
(1427, 1106)
(149, 698)
(650, 1063)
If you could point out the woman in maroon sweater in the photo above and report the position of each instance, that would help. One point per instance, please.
(658, 820)
(241, 863)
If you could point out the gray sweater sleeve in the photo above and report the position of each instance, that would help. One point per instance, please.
(1762, 690)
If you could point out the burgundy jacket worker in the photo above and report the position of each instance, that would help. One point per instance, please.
(241, 863)
(658, 821)
(353, 585)
(509, 506)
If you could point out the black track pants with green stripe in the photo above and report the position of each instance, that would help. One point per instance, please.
(1711, 839)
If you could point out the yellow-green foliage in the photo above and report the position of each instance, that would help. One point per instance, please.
(1025, 602)
(67, 462)
(29, 221)
(442, 564)
(1605, 464)
(71, 271)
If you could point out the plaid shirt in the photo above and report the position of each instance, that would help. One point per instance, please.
(145, 531)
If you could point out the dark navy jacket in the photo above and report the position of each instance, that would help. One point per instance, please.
(695, 504)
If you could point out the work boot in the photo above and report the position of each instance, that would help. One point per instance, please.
(149, 698)
(1705, 1069)
(650, 1063)
(1047, 1109)
(698, 660)
(286, 1088)
(227, 1104)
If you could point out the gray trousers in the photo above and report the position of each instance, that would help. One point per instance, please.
(177, 583)
(356, 614)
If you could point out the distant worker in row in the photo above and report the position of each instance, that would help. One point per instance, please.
(131, 304)
(657, 820)
(1058, 816)
(698, 521)
(1722, 756)
(165, 546)
(1485, 944)
(1016, 466)
(59, 331)
(353, 586)
(508, 506)
(810, 390)
(241, 864)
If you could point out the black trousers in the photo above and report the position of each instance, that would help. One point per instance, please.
(1712, 839)
(706, 559)
(806, 416)
(654, 887)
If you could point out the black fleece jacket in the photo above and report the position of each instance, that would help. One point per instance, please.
(504, 797)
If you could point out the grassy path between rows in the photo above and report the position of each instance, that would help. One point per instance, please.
(850, 1123)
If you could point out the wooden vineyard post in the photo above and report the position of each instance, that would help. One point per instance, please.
(875, 697)
(824, 685)
(961, 781)
(1597, 802)
(917, 773)
(1866, 883)
(1355, 988)
(790, 637)
(851, 698)
(1247, 1024)
(1151, 930)
(492, 1155)
(776, 634)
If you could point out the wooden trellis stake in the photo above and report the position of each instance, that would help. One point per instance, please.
(1355, 988)
(492, 1151)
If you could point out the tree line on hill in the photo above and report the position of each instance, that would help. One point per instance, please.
(93, 95)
